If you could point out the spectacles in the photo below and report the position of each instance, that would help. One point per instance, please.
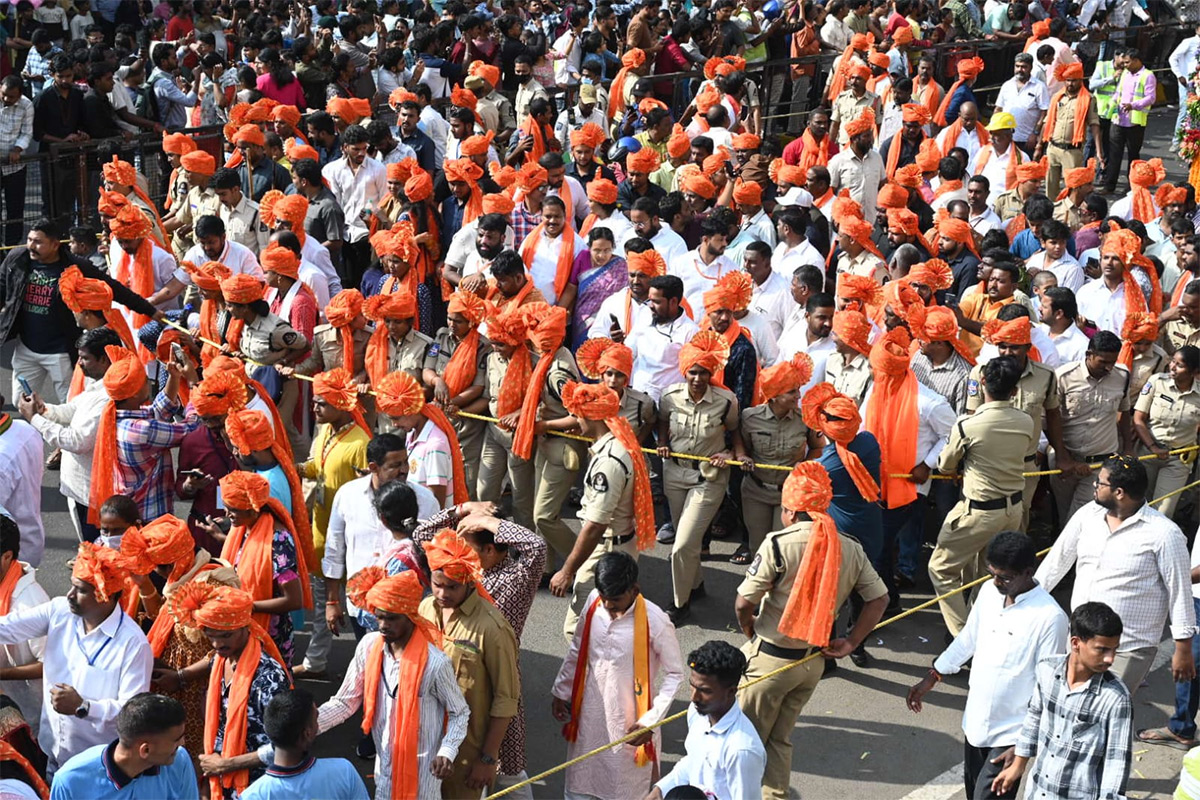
(1102, 483)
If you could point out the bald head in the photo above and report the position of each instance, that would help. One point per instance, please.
(968, 112)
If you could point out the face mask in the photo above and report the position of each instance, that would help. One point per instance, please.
(588, 81)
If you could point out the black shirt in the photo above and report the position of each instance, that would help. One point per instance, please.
(100, 121)
(423, 146)
(626, 196)
(966, 272)
(54, 115)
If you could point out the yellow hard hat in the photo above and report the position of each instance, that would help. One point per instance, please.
(1002, 121)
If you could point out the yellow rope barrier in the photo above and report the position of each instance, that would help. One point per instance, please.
(777, 671)
(652, 451)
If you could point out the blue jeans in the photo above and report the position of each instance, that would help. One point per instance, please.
(1187, 696)
(909, 534)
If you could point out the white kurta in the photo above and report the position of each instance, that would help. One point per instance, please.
(609, 706)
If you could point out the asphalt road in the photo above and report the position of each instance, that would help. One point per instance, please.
(856, 737)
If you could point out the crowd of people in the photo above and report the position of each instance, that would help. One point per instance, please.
(449, 272)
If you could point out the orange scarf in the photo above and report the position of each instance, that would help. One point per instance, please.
(463, 365)
(515, 382)
(893, 419)
(209, 330)
(504, 304)
(15, 571)
(138, 275)
(379, 348)
(616, 93)
(1177, 295)
(947, 186)
(893, 156)
(939, 116)
(566, 255)
(406, 709)
(811, 606)
(929, 95)
(104, 462)
(439, 418)
(863, 481)
(234, 743)
(588, 222)
(1010, 172)
(642, 685)
(253, 561)
(1081, 114)
(522, 445)
(955, 129)
(346, 336)
(532, 129)
(814, 154)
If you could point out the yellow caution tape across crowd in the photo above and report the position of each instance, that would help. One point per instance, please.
(672, 454)
(777, 671)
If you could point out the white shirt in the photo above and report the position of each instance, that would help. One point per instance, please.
(996, 171)
(462, 246)
(1071, 344)
(669, 244)
(1123, 208)
(766, 344)
(773, 300)
(698, 277)
(356, 191)
(1104, 307)
(1004, 645)
(936, 420)
(164, 269)
(820, 352)
(356, 537)
(441, 704)
(318, 254)
(640, 316)
(786, 260)
(27, 694)
(726, 760)
(987, 221)
(656, 354)
(579, 201)
(1026, 102)
(622, 230)
(1066, 269)
(1141, 570)
(760, 228)
(435, 126)
(861, 176)
(21, 455)
(71, 427)
(967, 140)
(1183, 58)
(238, 257)
(107, 666)
(544, 268)
(566, 70)
(563, 126)
(314, 278)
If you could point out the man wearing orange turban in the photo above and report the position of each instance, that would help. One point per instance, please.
(199, 200)
(788, 610)
(960, 91)
(858, 167)
(462, 611)
(902, 147)
(1071, 118)
(859, 255)
(694, 416)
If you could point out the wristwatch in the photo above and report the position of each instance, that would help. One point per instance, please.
(486, 759)
(83, 709)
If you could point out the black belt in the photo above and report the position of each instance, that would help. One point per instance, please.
(790, 653)
(1097, 458)
(620, 540)
(686, 462)
(773, 487)
(1067, 146)
(1031, 458)
(996, 504)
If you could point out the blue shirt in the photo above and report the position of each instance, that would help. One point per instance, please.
(1025, 244)
(280, 489)
(962, 94)
(854, 516)
(95, 775)
(327, 777)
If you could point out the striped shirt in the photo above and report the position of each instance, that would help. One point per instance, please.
(948, 379)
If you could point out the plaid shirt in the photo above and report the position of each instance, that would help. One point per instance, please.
(523, 223)
(38, 66)
(16, 130)
(1084, 735)
(144, 441)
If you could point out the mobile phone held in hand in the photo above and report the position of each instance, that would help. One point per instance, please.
(26, 389)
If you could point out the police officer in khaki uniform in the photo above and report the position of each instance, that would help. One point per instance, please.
(1096, 425)
(1063, 150)
(407, 347)
(694, 417)
(1037, 394)
(774, 705)
(1167, 417)
(265, 338)
(243, 223)
(611, 363)
(849, 371)
(1181, 324)
(1148, 359)
(607, 511)
(201, 200)
(989, 447)
(327, 349)
(497, 460)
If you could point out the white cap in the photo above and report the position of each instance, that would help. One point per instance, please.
(796, 196)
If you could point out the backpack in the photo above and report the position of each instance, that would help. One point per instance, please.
(146, 106)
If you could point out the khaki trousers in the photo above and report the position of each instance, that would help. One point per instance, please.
(956, 558)
(694, 502)
(773, 706)
(1060, 159)
(1166, 476)
(557, 462)
(470, 441)
(1132, 666)
(498, 462)
(1072, 493)
(762, 510)
(288, 400)
(585, 578)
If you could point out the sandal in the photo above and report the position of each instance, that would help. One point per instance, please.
(1165, 736)
(741, 556)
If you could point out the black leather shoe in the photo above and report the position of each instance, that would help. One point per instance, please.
(679, 615)
(697, 593)
(831, 666)
(365, 748)
(861, 658)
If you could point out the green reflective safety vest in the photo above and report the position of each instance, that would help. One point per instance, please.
(1106, 97)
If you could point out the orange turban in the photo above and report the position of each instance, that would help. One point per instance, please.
(786, 376)
(1143, 175)
(250, 430)
(707, 350)
(200, 604)
(402, 170)
(853, 328)
(84, 294)
(463, 170)
(297, 151)
(649, 263)
(463, 98)
(166, 540)
(280, 260)
(1079, 176)
(469, 305)
(844, 206)
(746, 141)
(590, 400)
(679, 144)
(859, 230)
(419, 187)
(125, 376)
(878, 59)
(285, 113)
(738, 288)
(902, 36)
(892, 196)
(177, 143)
(450, 554)
(644, 160)
(792, 175)
(827, 410)
(397, 305)
(250, 134)
(700, 185)
(1041, 29)
(350, 110)
(905, 302)
(1139, 326)
(713, 164)
(477, 145)
(941, 325)
(929, 156)
(747, 193)
(970, 68)
(505, 177)
(111, 203)
(861, 288)
(293, 208)
(959, 231)
(1032, 170)
(119, 172)
(915, 112)
(401, 95)
(266, 207)
(243, 288)
(1170, 195)
(1067, 72)
(812, 603)
(199, 162)
(344, 307)
(337, 387)
(104, 569)
(245, 491)
(130, 223)
(934, 273)
(589, 135)
(1014, 331)
(207, 276)
(488, 72)
(597, 356)
(220, 393)
(909, 176)
(399, 395)
(602, 191)
(501, 203)
(859, 71)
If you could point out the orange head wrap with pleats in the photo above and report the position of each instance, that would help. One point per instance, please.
(508, 328)
(124, 379)
(1140, 326)
(893, 416)
(379, 308)
(450, 554)
(343, 309)
(546, 328)
(827, 410)
(1143, 175)
(338, 388)
(812, 604)
(941, 325)
(92, 294)
(597, 356)
(853, 328)
(104, 569)
(786, 376)
(398, 395)
(934, 273)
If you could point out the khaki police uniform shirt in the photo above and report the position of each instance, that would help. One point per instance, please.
(1152, 361)
(1174, 415)
(699, 427)
(562, 370)
(198, 203)
(1090, 408)
(1064, 125)
(1037, 391)
(497, 366)
(846, 109)
(771, 574)
(989, 448)
(772, 440)
(438, 354)
(1178, 332)
(608, 487)
(865, 264)
(851, 379)
(327, 349)
(244, 225)
(1008, 205)
(269, 340)
(638, 409)
(409, 354)
(1067, 213)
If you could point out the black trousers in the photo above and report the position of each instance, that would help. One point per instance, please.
(356, 260)
(1119, 140)
(14, 206)
(90, 532)
(979, 772)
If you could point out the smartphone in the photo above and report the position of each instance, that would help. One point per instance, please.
(195, 473)
(26, 389)
(224, 523)
(615, 323)
(177, 353)
(951, 299)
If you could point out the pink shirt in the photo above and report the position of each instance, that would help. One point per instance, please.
(290, 95)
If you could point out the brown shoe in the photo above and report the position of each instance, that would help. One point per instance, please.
(54, 461)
